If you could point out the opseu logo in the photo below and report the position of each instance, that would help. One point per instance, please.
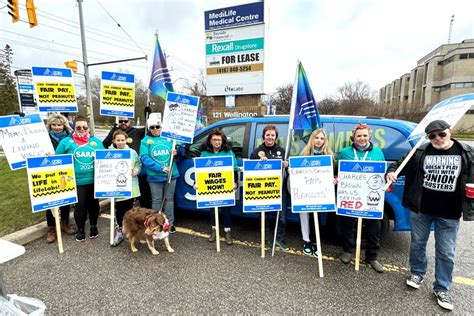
(52, 162)
(307, 163)
(263, 166)
(216, 163)
(19, 121)
(111, 155)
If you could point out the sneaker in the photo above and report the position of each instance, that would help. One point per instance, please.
(376, 265)
(281, 245)
(172, 229)
(94, 232)
(308, 248)
(346, 257)
(444, 300)
(315, 250)
(81, 235)
(228, 238)
(414, 281)
(212, 236)
(118, 238)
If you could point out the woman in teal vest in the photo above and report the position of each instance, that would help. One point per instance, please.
(82, 146)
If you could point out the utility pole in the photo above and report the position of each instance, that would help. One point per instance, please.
(86, 68)
(450, 29)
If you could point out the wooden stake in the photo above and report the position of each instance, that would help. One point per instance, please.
(112, 220)
(218, 236)
(55, 212)
(359, 235)
(318, 244)
(277, 219)
(262, 233)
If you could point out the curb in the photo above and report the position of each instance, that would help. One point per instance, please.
(32, 233)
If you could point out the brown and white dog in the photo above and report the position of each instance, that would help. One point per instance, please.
(139, 220)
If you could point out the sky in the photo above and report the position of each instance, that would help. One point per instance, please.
(337, 41)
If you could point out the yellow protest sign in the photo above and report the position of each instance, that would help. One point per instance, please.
(262, 188)
(49, 183)
(118, 95)
(55, 92)
(215, 183)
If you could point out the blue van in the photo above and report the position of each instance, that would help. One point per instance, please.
(245, 135)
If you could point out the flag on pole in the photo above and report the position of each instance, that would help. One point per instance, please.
(304, 112)
(160, 81)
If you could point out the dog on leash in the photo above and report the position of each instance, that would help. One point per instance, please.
(154, 225)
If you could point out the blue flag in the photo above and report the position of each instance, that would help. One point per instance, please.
(160, 81)
(304, 112)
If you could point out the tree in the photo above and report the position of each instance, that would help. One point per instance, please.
(356, 98)
(199, 88)
(281, 98)
(8, 93)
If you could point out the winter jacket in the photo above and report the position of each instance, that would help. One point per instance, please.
(413, 173)
(155, 154)
(274, 152)
(136, 168)
(374, 153)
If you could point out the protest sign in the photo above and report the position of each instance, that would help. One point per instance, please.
(51, 182)
(22, 137)
(112, 173)
(54, 88)
(179, 117)
(262, 185)
(117, 94)
(215, 181)
(360, 189)
(450, 110)
(312, 184)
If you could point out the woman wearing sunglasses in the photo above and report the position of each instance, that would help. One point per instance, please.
(155, 154)
(83, 146)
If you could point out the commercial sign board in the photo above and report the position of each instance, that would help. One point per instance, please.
(26, 91)
(246, 14)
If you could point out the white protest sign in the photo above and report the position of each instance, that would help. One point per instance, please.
(55, 89)
(179, 118)
(360, 189)
(112, 173)
(262, 185)
(23, 137)
(215, 181)
(312, 184)
(450, 110)
(117, 94)
(51, 181)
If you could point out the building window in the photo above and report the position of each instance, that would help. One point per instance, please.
(463, 56)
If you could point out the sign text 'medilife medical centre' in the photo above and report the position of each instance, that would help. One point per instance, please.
(246, 14)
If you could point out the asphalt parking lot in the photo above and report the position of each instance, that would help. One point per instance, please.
(94, 278)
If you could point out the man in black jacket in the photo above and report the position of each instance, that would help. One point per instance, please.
(435, 182)
(135, 135)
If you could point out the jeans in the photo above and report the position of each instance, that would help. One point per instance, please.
(445, 232)
(225, 214)
(157, 191)
(280, 237)
(64, 215)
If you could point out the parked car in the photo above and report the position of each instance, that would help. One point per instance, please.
(245, 135)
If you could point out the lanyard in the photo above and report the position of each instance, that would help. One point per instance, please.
(357, 157)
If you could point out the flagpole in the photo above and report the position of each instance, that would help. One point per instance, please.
(288, 143)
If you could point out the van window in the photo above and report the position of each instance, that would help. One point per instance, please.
(234, 133)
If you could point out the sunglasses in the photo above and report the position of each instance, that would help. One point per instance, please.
(433, 136)
(84, 128)
(123, 121)
(155, 127)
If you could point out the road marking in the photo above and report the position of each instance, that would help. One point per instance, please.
(293, 251)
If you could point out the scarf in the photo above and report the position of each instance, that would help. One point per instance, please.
(58, 136)
(80, 138)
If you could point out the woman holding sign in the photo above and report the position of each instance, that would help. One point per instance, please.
(82, 146)
(361, 149)
(155, 155)
(217, 145)
(317, 145)
(58, 129)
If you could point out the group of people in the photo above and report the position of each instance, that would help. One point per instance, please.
(430, 200)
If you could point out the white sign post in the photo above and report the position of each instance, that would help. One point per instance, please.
(360, 193)
(52, 184)
(112, 178)
(215, 185)
(179, 117)
(312, 190)
(22, 137)
(262, 190)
